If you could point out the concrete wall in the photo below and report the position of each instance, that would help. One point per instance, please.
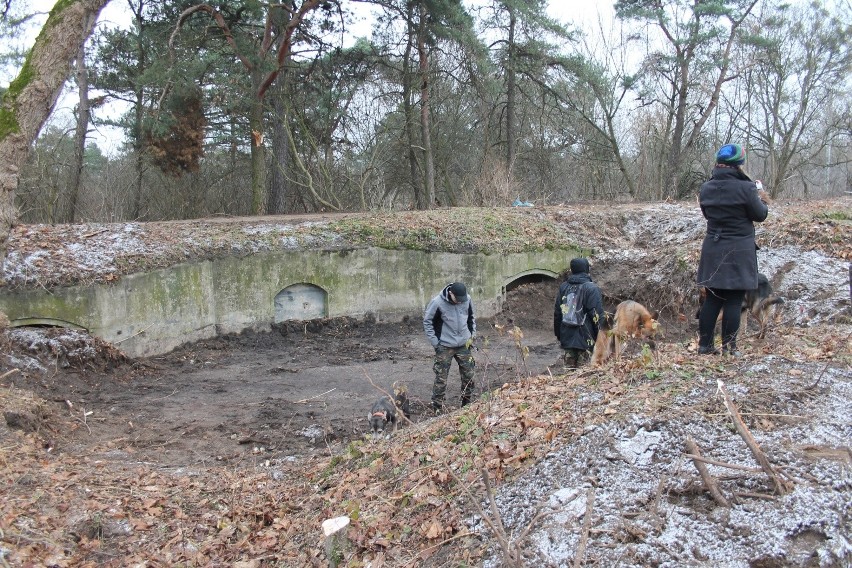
(154, 312)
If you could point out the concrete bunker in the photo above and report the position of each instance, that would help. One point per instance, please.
(300, 302)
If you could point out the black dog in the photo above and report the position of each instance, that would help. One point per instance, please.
(381, 414)
(384, 411)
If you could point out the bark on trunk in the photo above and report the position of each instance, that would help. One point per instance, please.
(82, 129)
(32, 95)
(258, 158)
(510, 96)
(279, 190)
(407, 92)
(425, 121)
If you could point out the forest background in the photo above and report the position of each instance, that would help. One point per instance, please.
(250, 108)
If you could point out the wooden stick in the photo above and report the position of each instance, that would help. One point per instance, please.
(723, 464)
(508, 550)
(306, 400)
(756, 495)
(9, 372)
(708, 480)
(782, 487)
(587, 525)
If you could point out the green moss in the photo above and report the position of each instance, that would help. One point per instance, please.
(838, 216)
(58, 307)
(8, 111)
(460, 230)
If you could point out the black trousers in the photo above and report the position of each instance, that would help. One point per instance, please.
(730, 303)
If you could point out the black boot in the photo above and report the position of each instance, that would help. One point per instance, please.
(707, 350)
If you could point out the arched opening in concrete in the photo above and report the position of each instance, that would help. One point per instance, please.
(44, 322)
(534, 276)
(301, 302)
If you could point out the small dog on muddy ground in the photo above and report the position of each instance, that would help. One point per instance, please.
(384, 411)
(759, 303)
(631, 319)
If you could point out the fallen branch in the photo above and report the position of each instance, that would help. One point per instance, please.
(708, 480)
(9, 372)
(306, 400)
(655, 506)
(695, 457)
(254, 440)
(167, 396)
(587, 525)
(510, 552)
(511, 548)
(756, 495)
(140, 332)
(781, 487)
(93, 233)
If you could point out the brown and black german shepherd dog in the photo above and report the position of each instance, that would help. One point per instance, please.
(631, 319)
(759, 303)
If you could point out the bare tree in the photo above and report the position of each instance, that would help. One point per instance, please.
(796, 82)
(698, 38)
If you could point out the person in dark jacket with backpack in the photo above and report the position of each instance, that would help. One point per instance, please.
(577, 337)
(450, 327)
(731, 202)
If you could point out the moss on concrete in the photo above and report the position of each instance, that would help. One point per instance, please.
(154, 312)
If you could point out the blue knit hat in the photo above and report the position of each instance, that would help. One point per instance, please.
(731, 154)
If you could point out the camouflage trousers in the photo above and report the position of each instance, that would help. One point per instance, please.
(443, 360)
(575, 358)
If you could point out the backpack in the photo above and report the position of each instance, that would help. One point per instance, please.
(572, 307)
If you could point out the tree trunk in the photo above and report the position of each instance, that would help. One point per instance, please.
(258, 157)
(407, 92)
(83, 114)
(279, 189)
(425, 122)
(510, 95)
(30, 99)
(138, 115)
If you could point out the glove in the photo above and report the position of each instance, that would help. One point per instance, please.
(469, 342)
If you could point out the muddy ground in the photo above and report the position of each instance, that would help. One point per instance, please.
(284, 394)
(287, 393)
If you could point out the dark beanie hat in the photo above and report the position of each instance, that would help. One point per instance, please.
(579, 265)
(459, 290)
(731, 154)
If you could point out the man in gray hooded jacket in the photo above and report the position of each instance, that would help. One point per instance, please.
(450, 327)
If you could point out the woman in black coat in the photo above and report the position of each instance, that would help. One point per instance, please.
(731, 203)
